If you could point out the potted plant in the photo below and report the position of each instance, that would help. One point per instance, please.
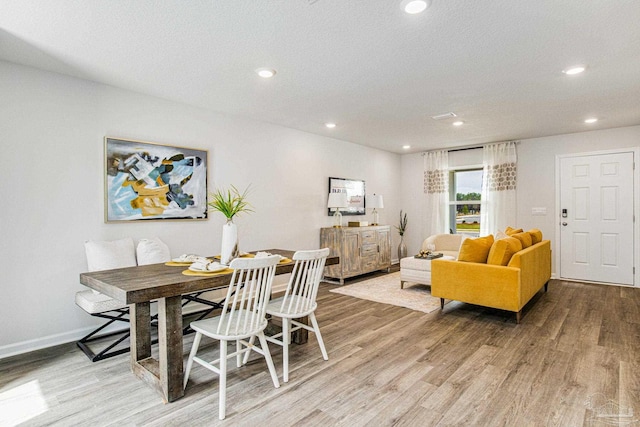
(229, 202)
(402, 227)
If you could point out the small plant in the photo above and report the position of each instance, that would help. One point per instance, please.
(229, 202)
(403, 224)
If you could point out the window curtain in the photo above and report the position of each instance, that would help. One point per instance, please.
(436, 187)
(498, 188)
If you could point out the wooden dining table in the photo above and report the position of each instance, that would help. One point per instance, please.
(138, 287)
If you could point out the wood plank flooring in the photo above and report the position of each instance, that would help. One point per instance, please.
(575, 354)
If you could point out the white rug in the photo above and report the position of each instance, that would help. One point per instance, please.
(386, 289)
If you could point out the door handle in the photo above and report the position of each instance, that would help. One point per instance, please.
(564, 224)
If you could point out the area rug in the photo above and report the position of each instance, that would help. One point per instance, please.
(386, 289)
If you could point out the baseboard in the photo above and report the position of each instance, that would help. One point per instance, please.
(45, 342)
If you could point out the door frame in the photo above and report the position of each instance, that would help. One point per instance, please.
(636, 210)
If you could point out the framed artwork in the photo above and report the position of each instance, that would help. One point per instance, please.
(354, 188)
(148, 181)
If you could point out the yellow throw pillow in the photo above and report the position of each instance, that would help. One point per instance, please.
(536, 235)
(476, 250)
(511, 231)
(502, 250)
(524, 237)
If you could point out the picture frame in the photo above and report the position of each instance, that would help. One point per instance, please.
(355, 190)
(148, 181)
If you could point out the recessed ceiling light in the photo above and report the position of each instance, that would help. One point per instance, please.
(406, 147)
(415, 6)
(576, 69)
(591, 120)
(458, 123)
(330, 125)
(266, 73)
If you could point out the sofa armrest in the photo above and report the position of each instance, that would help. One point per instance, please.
(483, 284)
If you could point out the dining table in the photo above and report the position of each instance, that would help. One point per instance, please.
(165, 283)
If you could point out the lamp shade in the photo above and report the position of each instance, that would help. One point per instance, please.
(337, 200)
(375, 201)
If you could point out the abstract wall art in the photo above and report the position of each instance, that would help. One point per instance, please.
(148, 181)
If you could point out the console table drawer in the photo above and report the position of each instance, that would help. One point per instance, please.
(368, 237)
(369, 250)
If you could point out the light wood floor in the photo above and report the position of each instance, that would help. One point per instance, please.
(576, 353)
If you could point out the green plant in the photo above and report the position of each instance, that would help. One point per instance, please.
(229, 202)
(403, 224)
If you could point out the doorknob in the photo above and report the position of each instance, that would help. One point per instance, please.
(564, 223)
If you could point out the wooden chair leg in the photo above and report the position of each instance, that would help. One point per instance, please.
(401, 284)
(518, 316)
(441, 303)
(546, 286)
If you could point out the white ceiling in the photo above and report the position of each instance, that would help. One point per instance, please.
(376, 71)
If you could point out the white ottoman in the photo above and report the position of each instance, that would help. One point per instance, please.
(417, 270)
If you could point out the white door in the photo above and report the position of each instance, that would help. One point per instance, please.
(597, 218)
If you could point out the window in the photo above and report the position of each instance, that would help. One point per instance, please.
(464, 201)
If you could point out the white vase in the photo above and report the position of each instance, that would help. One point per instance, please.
(229, 249)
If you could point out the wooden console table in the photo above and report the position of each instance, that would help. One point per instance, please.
(360, 249)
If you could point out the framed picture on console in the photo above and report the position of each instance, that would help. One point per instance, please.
(148, 181)
(354, 188)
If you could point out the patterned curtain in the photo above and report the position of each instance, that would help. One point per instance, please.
(436, 187)
(498, 188)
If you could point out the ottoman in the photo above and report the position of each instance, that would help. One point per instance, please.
(417, 270)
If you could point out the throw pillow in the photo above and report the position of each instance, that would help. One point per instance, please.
(536, 235)
(510, 231)
(152, 251)
(502, 250)
(107, 255)
(524, 237)
(501, 235)
(476, 250)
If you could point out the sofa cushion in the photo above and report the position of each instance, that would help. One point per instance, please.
(536, 235)
(524, 237)
(502, 250)
(511, 231)
(476, 250)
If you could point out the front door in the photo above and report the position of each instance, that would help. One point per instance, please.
(597, 218)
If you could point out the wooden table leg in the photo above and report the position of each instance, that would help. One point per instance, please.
(301, 336)
(140, 319)
(170, 347)
(165, 374)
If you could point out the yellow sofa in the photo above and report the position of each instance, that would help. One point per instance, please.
(507, 287)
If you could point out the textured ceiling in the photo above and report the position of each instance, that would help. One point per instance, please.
(377, 72)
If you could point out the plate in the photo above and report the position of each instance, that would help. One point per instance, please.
(215, 270)
(191, 259)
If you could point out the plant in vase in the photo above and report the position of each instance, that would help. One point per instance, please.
(229, 202)
(402, 227)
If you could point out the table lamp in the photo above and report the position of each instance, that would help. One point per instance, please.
(337, 201)
(375, 202)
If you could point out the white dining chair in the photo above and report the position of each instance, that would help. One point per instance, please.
(243, 317)
(299, 301)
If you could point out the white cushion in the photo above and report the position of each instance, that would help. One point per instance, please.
(107, 255)
(152, 251)
(93, 302)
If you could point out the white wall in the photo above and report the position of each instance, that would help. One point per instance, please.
(51, 134)
(536, 178)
